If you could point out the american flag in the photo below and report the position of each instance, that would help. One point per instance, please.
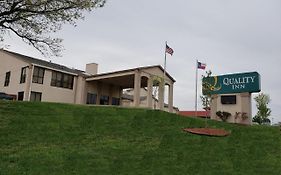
(201, 65)
(169, 50)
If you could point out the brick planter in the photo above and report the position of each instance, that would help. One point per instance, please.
(207, 131)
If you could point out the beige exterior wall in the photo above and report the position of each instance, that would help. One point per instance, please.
(243, 105)
(9, 63)
(49, 93)
(54, 94)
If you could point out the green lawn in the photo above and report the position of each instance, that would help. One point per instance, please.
(50, 138)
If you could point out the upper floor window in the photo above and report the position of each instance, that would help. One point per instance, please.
(23, 75)
(38, 75)
(7, 78)
(62, 80)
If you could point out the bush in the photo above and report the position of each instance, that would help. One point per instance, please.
(223, 115)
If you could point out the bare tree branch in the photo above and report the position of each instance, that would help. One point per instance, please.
(34, 20)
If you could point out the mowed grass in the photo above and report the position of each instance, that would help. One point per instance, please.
(50, 138)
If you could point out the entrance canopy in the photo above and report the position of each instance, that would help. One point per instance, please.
(125, 78)
(136, 78)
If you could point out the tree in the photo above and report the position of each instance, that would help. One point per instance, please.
(34, 20)
(264, 112)
(206, 98)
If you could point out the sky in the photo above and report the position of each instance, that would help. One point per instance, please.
(230, 36)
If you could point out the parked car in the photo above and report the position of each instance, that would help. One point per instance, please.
(4, 96)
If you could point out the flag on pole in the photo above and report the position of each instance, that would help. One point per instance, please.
(169, 50)
(201, 65)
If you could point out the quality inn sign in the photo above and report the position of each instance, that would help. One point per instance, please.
(231, 83)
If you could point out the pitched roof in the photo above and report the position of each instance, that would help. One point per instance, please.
(44, 63)
(132, 69)
(75, 71)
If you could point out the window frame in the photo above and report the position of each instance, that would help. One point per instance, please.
(37, 78)
(115, 101)
(228, 99)
(19, 95)
(104, 100)
(62, 80)
(91, 98)
(7, 79)
(37, 94)
(23, 74)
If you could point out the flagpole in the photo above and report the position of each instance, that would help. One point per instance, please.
(196, 79)
(165, 62)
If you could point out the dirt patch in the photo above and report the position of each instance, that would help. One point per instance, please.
(207, 131)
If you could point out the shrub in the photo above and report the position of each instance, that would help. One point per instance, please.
(223, 115)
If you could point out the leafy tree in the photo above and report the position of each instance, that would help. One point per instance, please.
(33, 20)
(264, 112)
(206, 98)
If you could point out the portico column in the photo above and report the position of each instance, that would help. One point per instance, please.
(99, 92)
(120, 96)
(137, 84)
(161, 95)
(27, 91)
(110, 94)
(149, 92)
(170, 99)
(214, 106)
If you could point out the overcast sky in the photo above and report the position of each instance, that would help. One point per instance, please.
(228, 35)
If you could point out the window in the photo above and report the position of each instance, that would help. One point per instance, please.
(23, 75)
(62, 80)
(115, 101)
(104, 100)
(228, 99)
(35, 96)
(91, 98)
(7, 78)
(38, 75)
(20, 96)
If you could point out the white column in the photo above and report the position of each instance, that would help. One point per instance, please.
(28, 83)
(161, 95)
(99, 84)
(110, 94)
(170, 99)
(80, 90)
(120, 95)
(214, 107)
(149, 92)
(137, 84)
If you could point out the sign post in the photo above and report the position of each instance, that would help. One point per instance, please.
(231, 93)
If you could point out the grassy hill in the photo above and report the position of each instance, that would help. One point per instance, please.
(49, 138)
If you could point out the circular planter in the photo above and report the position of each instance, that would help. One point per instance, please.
(208, 131)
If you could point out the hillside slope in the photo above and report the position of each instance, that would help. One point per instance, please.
(50, 138)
